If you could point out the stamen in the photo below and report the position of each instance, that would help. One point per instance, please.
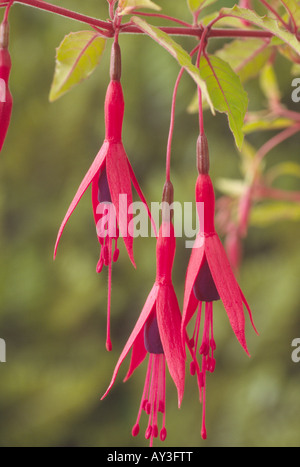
(207, 348)
(108, 340)
(116, 252)
(144, 401)
(153, 399)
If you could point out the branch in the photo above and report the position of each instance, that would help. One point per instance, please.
(132, 29)
(42, 5)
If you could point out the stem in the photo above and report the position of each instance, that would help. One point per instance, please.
(158, 15)
(42, 5)
(132, 29)
(129, 28)
(171, 130)
(9, 5)
(278, 139)
(201, 50)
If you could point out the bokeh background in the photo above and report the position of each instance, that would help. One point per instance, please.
(53, 314)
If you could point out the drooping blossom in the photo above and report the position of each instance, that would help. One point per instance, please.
(209, 278)
(5, 94)
(110, 177)
(157, 334)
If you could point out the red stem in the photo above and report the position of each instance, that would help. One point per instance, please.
(197, 32)
(278, 139)
(129, 28)
(158, 15)
(42, 5)
(171, 130)
(201, 50)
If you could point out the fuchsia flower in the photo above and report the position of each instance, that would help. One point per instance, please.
(157, 334)
(209, 278)
(110, 176)
(5, 95)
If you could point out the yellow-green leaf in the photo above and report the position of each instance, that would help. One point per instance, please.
(226, 92)
(284, 168)
(127, 6)
(293, 8)
(76, 58)
(269, 83)
(264, 123)
(182, 57)
(195, 5)
(266, 23)
(231, 187)
(269, 213)
(246, 56)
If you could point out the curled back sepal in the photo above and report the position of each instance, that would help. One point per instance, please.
(5, 95)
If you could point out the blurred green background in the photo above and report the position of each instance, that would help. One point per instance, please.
(53, 314)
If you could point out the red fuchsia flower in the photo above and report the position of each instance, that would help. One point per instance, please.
(209, 278)
(157, 334)
(5, 95)
(110, 177)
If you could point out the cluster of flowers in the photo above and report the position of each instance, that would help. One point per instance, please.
(161, 330)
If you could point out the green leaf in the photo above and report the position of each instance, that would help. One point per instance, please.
(127, 6)
(265, 23)
(269, 83)
(295, 71)
(182, 57)
(248, 167)
(293, 7)
(282, 169)
(266, 214)
(196, 5)
(246, 57)
(76, 58)
(231, 187)
(227, 21)
(265, 124)
(226, 92)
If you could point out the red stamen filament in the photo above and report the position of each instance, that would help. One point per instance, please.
(207, 348)
(153, 399)
(107, 232)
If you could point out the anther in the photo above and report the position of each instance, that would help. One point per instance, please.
(192, 368)
(163, 434)
(135, 430)
(161, 407)
(148, 432)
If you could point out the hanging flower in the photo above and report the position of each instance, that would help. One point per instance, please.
(209, 278)
(110, 177)
(157, 334)
(5, 95)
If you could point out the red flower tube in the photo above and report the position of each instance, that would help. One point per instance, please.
(209, 278)
(157, 334)
(110, 177)
(5, 95)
